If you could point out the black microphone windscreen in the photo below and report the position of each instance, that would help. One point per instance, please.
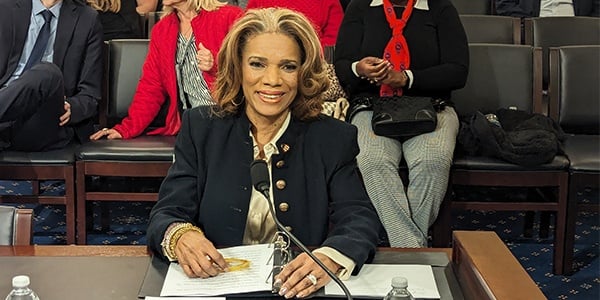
(259, 173)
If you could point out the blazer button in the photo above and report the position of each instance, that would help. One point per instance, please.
(280, 164)
(280, 184)
(285, 148)
(283, 206)
(289, 228)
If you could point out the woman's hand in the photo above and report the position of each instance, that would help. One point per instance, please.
(110, 134)
(205, 58)
(395, 79)
(198, 257)
(295, 276)
(373, 68)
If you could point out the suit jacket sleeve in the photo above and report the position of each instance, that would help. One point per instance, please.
(84, 103)
(354, 223)
(451, 72)
(178, 196)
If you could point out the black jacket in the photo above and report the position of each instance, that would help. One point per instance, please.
(209, 184)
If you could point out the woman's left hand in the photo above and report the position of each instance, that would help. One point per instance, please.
(205, 58)
(302, 276)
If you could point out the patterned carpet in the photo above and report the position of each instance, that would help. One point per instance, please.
(128, 225)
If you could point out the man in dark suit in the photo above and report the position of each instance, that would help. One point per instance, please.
(50, 73)
(542, 8)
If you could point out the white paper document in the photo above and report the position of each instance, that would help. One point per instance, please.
(255, 278)
(375, 280)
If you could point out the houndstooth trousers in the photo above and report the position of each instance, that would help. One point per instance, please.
(406, 214)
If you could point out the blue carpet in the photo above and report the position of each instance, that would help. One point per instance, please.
(128, 225)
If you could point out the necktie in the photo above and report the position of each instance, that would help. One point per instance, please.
(42, 41)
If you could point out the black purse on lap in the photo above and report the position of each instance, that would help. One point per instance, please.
(404, 116)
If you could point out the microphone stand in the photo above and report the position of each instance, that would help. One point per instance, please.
(264, 189)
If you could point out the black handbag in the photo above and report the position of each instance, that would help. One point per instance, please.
(403, 116)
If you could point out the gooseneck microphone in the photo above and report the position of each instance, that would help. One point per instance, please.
(262, 183)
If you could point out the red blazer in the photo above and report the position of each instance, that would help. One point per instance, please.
(159, 82)
(326, 15)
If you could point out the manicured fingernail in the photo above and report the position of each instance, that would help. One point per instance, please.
(282, 291)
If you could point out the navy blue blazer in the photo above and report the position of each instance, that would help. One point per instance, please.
(77, 52)
(531, 8)
(316, 174)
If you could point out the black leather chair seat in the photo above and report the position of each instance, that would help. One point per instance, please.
(583, 152)
(58, 157)
(143, 148)
(560, 162)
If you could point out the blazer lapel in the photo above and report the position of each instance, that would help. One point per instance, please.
(64, 31)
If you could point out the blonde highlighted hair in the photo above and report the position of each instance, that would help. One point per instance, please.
(312, 78)
(197, 5)
(105, 5)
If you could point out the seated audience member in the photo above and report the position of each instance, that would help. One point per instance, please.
(434, 62)
(271, 74)
(50, 73)
(180, 66)
(547, 8)
(325, 15)
(120, 19)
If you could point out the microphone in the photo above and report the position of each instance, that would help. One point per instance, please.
(259, 173)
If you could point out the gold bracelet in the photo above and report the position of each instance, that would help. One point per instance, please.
(237, 264)
(178, 231)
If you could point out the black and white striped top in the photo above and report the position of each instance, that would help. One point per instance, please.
(193, 90)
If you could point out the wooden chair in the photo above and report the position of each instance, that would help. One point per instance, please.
(501, 76)
(474, 7)
(141, 157)
(575, 104)
(43, 166)
(16, 226)
(492, 29)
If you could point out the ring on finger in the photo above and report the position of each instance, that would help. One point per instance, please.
(312, 278)
(104, 129)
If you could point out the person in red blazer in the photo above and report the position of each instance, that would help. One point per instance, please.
(205, 23)
(326, 15)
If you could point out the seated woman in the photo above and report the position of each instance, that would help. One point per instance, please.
(270, 79)
(179, 69)
(427, 55)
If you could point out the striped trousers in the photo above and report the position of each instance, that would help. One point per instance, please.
(407, 212)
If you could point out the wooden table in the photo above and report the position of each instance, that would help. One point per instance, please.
(483, 266)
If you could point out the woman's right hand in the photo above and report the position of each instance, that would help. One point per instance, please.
(109, 133)
(198, 257)
(373, 68)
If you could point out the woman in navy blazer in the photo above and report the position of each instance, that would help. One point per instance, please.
(269, 104)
